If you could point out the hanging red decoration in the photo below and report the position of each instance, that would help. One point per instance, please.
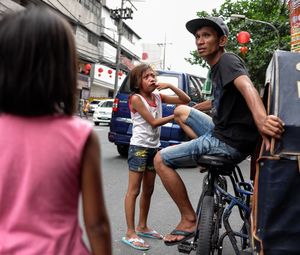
(244, 50)
(120, 73)
(243, 37)
(109, 71)
(100, 69)
(144, 56)
(87, 67)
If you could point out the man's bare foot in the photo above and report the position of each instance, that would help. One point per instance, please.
(183, 231)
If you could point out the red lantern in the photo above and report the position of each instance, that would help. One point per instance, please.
(244, 50)
(109, 71)
(243, 37)
(87, 67)
(144, 56)
(120, 73)
(100, 70)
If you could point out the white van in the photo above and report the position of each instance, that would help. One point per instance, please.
(103, 111)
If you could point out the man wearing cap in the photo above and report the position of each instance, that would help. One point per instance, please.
(238, 116)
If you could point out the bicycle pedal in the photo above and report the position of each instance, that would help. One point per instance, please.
(202, 169)
(247, 252)
(185, 247)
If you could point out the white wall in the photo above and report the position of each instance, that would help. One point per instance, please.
(98, 91)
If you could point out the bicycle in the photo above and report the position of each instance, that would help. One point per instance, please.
(215, 206)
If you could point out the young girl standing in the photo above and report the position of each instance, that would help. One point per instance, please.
(146, 112)
(48, 158)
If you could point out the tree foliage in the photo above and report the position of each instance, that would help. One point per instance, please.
(264, 39)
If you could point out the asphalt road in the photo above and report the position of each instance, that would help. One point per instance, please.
(163, 215)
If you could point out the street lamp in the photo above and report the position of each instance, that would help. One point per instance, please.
(240, 16)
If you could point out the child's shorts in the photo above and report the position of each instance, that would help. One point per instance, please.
(141, 158)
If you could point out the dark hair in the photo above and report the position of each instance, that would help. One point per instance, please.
(136, 76)
(38, 64)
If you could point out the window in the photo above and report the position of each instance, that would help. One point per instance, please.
(93, 39)
(167, 78)
(195, 86)
(107, 104)
(92, 5)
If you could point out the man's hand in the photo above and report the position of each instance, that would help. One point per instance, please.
(272, 126)
(203, 106)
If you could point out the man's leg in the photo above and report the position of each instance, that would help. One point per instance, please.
(181, 113)
(194, 122)
(176, 188)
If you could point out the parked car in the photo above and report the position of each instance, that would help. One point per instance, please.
(121, 124)
(103, 111)
(93, 104)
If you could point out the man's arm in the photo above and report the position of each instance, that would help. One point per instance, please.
(268, 125)
(203, 106)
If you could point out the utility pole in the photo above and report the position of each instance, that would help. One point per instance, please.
(164, 44)
(119, 15)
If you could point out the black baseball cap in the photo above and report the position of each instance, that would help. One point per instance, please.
(215, 22)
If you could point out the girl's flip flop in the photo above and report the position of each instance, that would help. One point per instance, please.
(151, 234)
(130, 242)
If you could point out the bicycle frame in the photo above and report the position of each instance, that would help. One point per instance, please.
(215, 186)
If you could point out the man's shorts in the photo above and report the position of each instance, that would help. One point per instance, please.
(188, 153)
(200, 122)
(141, 158)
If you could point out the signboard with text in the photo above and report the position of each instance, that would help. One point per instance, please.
(294, 7)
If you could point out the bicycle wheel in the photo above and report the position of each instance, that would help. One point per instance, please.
(205, 226)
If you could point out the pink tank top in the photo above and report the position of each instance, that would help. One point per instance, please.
(40, 184)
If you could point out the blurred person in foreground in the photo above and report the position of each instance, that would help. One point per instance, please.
(48, 158)
(238, 116)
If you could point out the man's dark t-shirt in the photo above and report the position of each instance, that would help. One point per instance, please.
(233, 120)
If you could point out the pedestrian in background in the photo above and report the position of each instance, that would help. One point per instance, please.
(80, 107)
(86, 108)
(146, 113)
(48, 157)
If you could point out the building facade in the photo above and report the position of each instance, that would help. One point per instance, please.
(97, 38)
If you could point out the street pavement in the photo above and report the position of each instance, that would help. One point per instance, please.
(163, 215)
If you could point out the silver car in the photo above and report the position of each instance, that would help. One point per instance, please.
(103, 111)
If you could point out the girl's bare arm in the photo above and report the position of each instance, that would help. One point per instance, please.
(139, 106)
(95, 214)
(180, 98)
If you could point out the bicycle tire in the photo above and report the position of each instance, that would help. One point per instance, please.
(205, 226)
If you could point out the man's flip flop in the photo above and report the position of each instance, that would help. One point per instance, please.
(130, 242)
(187, 235)
(151, 234)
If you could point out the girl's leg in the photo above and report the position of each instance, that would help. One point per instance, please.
(134, 184)
(148, 186)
